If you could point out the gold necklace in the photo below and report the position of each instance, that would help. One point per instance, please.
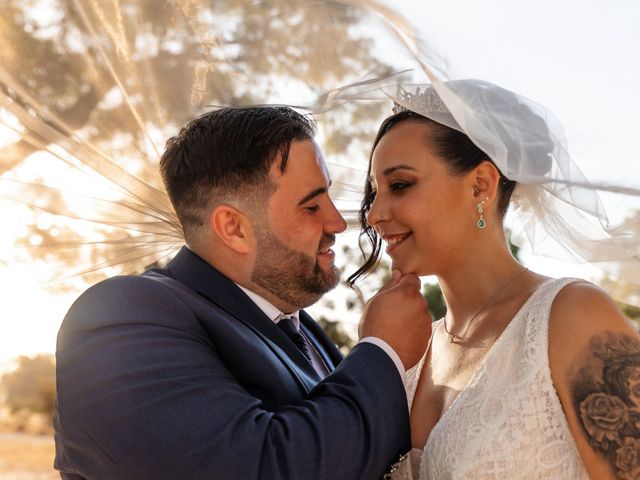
(456, 336)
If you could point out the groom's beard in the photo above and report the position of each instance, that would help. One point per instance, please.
(292, 276)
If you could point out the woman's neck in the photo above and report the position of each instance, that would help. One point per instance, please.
(478, 281)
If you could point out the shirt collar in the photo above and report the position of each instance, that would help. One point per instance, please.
(270, 310)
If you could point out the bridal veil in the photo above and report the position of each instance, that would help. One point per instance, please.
(83, 129)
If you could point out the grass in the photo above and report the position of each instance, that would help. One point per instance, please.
(26, 457)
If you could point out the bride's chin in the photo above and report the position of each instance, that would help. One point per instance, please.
(410, 267)
(404, 267)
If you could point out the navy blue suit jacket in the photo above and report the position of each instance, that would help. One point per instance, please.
(177, 374)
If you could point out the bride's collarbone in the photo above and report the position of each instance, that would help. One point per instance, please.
(447, 371)
(444, 376)
(483, 330)
(449, 366)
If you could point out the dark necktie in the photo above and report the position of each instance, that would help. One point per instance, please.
(289, 328)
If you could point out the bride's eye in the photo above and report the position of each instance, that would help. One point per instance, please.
(398, 186)
(371, 196)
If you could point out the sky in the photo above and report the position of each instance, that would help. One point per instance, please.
(579, 58)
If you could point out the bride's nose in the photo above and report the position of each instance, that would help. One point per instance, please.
(376, 213)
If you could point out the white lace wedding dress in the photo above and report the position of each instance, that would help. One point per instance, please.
(508, 421)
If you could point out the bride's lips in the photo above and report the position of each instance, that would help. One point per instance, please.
(395, 240)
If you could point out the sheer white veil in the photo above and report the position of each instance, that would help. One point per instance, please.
(129, 65)
(555, 204)
(558, 210)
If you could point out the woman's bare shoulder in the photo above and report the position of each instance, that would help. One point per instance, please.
(594, 355)
(582, 309)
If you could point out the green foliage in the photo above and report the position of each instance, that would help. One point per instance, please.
(433, 294)
(515, 250)
(623, 290)
(32, 385)
(631, 311)
(338, 334)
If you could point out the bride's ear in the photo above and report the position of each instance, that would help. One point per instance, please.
(485, 178)
(233, 228)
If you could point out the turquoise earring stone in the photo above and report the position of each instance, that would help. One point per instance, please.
(481, 223)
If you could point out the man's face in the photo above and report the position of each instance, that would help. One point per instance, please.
(294, 260)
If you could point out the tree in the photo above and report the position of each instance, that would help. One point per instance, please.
(435, 299)
(103, 84)
(32, 385)
(625, 290)
(76, 63)
(336, 331)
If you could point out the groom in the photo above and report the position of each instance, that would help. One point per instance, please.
(209, 368)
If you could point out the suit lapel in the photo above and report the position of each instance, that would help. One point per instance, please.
(198, 275)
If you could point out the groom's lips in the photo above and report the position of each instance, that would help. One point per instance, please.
(326, 252)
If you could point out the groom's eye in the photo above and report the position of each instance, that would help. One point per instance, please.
(312, 208)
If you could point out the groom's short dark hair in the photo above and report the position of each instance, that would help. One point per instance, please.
(225, 156)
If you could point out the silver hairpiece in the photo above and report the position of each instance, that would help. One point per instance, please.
(421, 102)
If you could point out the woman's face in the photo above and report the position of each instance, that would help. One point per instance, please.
(424, 214)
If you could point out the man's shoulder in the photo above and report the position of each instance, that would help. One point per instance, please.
(150, 282)
(142, 306)
(151, 294)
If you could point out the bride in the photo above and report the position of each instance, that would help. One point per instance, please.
(525, 376)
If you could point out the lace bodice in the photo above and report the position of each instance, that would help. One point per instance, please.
(508, 421)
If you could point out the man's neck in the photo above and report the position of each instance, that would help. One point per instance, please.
(239, 270)
(267, 307)
(276, 301)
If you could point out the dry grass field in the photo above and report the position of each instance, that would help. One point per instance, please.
(26, 457)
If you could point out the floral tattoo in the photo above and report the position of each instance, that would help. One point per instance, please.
(606, 394)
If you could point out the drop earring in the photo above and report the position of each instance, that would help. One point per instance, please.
(481, 221)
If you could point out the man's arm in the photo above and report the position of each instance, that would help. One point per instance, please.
(143, 393)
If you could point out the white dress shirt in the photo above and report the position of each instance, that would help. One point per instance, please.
(276, 315)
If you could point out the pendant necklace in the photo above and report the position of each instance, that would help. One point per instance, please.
(455, 337)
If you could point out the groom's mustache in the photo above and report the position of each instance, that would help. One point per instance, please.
(327, 241)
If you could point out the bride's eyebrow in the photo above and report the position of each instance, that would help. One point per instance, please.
(388, 171)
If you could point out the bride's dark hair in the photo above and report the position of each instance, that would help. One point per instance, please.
(454, 147)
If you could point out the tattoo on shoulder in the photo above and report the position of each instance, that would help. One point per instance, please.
(606, 395)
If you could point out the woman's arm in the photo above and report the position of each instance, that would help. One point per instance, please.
(594, 354)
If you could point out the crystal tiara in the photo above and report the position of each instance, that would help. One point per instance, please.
(420, 102)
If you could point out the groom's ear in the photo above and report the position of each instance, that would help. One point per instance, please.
(233, 228)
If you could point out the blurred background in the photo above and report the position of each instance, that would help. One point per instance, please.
(91, 90)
